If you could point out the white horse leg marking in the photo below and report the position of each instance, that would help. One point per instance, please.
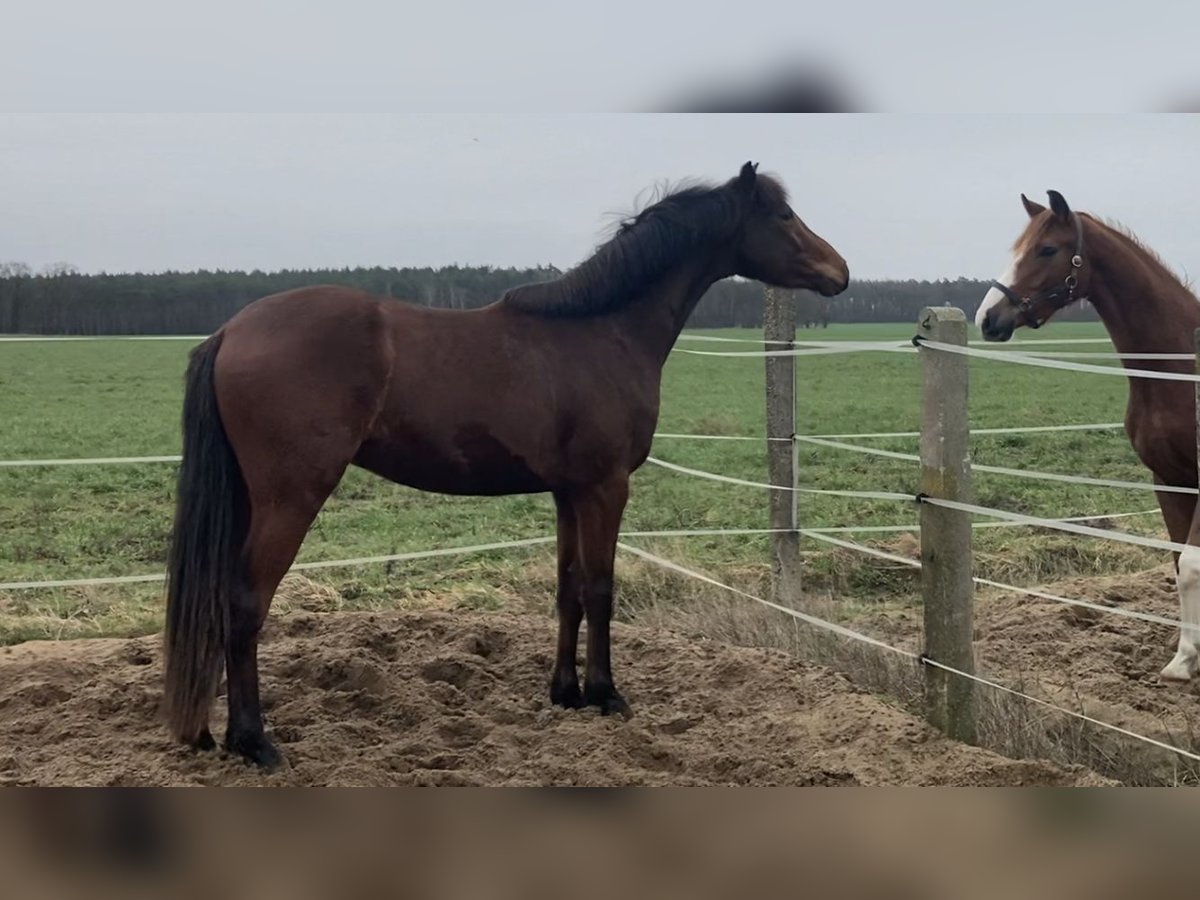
(1187, 661)
(993, 296)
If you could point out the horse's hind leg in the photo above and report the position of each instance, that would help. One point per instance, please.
(280, 517)
(276, 533)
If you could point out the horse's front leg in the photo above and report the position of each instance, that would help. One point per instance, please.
(598, 510)
(1178, 509)
(564, 684)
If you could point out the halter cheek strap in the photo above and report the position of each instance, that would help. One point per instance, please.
(1057, 297)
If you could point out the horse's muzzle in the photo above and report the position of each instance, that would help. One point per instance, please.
(994, 330)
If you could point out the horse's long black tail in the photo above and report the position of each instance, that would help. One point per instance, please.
(204, 565)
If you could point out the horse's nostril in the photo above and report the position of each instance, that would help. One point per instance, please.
(990, 326)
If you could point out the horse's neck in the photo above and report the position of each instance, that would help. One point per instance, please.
(1143, 307)
(656, 319)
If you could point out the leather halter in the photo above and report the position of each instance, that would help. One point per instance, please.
(1057, 297)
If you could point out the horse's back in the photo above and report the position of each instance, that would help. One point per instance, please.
(485, 401)
(306, 309)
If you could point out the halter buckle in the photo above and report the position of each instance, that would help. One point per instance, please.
(1077, 261)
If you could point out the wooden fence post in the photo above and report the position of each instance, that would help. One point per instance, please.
(946, 573)
(779, 327)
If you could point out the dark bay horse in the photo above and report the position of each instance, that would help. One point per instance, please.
(1063, 256)
(552, 388)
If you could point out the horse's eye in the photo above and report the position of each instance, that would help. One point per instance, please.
(787, 214)
(1047, 250)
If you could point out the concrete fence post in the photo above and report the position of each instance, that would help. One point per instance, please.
(946, 574)
(779, 329)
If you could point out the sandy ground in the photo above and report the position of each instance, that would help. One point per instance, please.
(1086, 660)
(460, 699)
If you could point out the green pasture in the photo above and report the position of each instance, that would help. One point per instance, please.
(113, 398)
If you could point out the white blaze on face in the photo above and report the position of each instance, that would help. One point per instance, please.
(993, 296)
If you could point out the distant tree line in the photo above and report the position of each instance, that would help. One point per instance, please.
(61, 300)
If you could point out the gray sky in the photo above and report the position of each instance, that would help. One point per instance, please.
(922, 196)
(540, 55)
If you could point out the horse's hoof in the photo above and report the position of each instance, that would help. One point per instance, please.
(1180, 670)
(255, 748)
(568, 696)
(204, 741)
(609, 701)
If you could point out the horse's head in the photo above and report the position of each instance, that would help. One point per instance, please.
(775, 246)
(1044, 276)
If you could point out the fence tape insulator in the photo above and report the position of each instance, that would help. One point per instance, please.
(1005, 470)
(920, 658)
(1024, 360)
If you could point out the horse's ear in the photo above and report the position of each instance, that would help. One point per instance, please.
(748, 176)
(1032, 208)
(1058, 205)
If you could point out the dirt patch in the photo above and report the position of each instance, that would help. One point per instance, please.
(459, 698)
(1086, 660)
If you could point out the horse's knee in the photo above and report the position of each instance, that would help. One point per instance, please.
(569, 596)
(598, 595)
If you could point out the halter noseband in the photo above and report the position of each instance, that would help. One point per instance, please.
(1058, 297)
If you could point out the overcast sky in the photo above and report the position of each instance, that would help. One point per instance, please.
(921, 196)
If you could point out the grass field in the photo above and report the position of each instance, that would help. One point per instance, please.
(97, 398)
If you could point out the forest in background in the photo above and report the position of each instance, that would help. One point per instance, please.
(61, 300)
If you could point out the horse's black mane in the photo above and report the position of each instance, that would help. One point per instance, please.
(645, 247)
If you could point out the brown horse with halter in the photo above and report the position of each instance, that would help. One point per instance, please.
(1063, 256)
(552, 388)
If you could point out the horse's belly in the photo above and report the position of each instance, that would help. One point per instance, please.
(475, 464)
